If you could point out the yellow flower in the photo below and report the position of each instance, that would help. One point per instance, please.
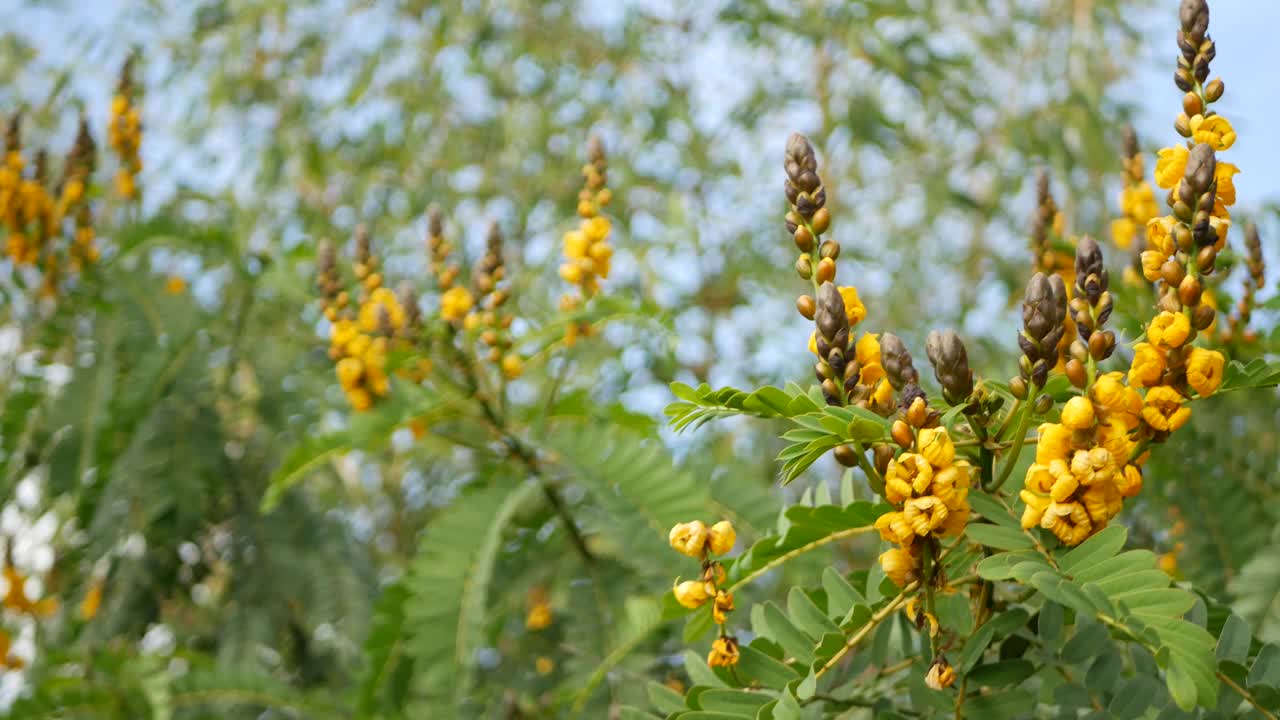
(1078, 413)
(867, 349)
(924, 514)
(724, 652)
(1123, 231)
(1214, 130)
(899, 565)
(454, 303)
(1092, 465)
(870, 374)
(882, 395)
(1114, 436)
(1148, 365)
(360, 399)
(722, 607)
(349, 372)
(907, 476)
(544, 665)
(385, 301)
(1034, 511)
(689, 538)
(957, 519)
(1129, 482)
(691, 593)
(893, 527)
(539, 616)
(1152, 260)
(175, 285)
(1064, 486)
(1068, 521)
(1039, 478)
(92, 601)
(1169, 330)
(951, 485)
(512, 366)
(1164, 410)
(936, 447)
(1054, 443)
(1225, 173)
(1160, 234)
(1204, 371)
(941, 675)
(853, 307)
(1171, 164)
(596, 229)
(576, 244)
(1102, 502)
(1117, 400)
(721, 537)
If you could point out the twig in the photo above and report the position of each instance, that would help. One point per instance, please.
(863, 631)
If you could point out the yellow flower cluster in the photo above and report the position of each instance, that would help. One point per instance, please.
(872, 389)
(124, 133)
(16, 598)
(700, 542)
(1137, 199)
(359, 341)
(930, 489)
(587, 251)
(1082, 470)
(26, 208)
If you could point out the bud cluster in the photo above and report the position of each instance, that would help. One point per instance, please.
(124, 132)
(808, 218)
(491, 320)
(706, 545)
(950, 365)
(1090, 308)
(1137, 197)
(588, 254)
(1255, 281)
(1044, 313)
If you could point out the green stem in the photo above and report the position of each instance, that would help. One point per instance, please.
(1017, 442)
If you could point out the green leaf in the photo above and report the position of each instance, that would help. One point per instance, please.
(991, 509)
(740, 702)
(1000, 566)
(1234, 640)
(1000, 674)
(755, 665)
(999, 537)
(448, 586)
(387, 671)
(1259, 373)
(1087, 643)
(841, 596)
(699, 672)
(1105, 544)
(663, 698)
(806, 615)
(807, 529)
(1134, 698)
(792, 639)
(974, 648)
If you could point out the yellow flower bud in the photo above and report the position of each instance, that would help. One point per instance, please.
(1078, 413)
(722, 537)
(1204, 371)
(936, 447)
(691, 593)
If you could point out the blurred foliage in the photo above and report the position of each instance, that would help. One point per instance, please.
(259, 550)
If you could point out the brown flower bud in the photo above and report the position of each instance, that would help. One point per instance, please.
(1018, 387)
(1194, 16)
(902, 434)
(1172, 271)
(1043, 404)
(1098, 345)
(1192, 104)
(1078, 351)
(806, 306)
(1169, 301)
(1205, 259)
(1076, 373)
(846, 455)
(883, 454)
(826, 270)
(1189, 291)
(1201, 166)
(1182, 124)
(804, 267)
(804, 239)
(897, 362)
(821, 220)
(830, 249)
(1213, 91)
(950, 362)
(1202, 316)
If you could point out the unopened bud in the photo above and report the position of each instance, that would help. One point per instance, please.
(1182, 124)
(826, 270)
(1192, 104)
(1172, 271)
(1076, 373)
(1205, 259)
(804, 267)
(917, 412)
(1044, 403)
(804, 239)
(1098, 345)
(846, 455)
(1189, 291)
(1018, 387)
(1169, 301)
(1201, 166)
(1202, 316)
(902, 434)
(806, 306)
(1213, 90)
(821, 220)
(830, 249)
(1078, 351)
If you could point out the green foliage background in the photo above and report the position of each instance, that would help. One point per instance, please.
(389, 577)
